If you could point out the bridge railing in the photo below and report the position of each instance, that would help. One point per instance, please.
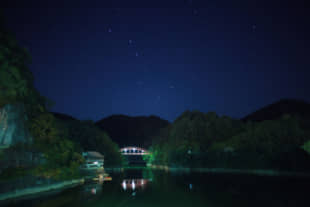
(133, 151)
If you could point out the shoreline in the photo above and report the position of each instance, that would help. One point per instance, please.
(258, 172)
(36, 191)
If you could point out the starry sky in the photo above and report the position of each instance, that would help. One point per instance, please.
(96, 58)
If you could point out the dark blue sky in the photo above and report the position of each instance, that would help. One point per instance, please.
(95, 58)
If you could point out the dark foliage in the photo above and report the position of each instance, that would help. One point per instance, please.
(91, 138)
(197, 139)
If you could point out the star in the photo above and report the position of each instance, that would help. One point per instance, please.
(137, 54)
(172, 87)
(109, 30)
(129, 42)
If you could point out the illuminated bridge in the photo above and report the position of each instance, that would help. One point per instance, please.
(134, 151)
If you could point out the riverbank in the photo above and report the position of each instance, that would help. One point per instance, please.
(259, 172)
(31, 191)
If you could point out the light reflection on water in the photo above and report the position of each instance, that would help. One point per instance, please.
(137, 188)
(92, 188)
(134, 184)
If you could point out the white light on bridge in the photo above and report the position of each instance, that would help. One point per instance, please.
(133, 151)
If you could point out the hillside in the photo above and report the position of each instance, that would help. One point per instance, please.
(89, 137)
(279, 108)
(126, 130)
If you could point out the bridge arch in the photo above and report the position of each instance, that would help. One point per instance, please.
(131, 150)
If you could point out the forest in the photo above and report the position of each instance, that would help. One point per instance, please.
(197, 139)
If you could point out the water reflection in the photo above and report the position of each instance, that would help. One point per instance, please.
(94, 185)
(134, 183)
(92, 188)
(189, 189)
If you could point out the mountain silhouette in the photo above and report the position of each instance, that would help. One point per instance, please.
(278, 109)
(132, 131)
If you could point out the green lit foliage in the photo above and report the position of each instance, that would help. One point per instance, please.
(43, 128)
(191, 135)
(203, 129)
(62, 156)
(13, 173)
(267, 137)
(150, 158)
(268, 144)
(107, 147)
(306, 146)
(160, 148)
(207, 140)
(16, 80)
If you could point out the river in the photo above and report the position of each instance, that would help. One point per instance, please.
(148, 188)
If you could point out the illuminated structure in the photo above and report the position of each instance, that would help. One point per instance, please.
(134, 151)
(93, 161)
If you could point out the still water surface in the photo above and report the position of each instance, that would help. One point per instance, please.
(148, 188)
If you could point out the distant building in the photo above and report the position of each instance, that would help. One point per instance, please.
(93, 161)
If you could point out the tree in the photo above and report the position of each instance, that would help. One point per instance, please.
(306, 146)
(63, 157)
(91, 138)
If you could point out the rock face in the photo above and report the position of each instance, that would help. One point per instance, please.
(12, 125)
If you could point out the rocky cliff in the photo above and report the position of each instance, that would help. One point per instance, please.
(12, 125)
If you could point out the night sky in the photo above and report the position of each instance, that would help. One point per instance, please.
(98, 58)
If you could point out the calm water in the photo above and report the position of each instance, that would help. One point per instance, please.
(146, 188)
